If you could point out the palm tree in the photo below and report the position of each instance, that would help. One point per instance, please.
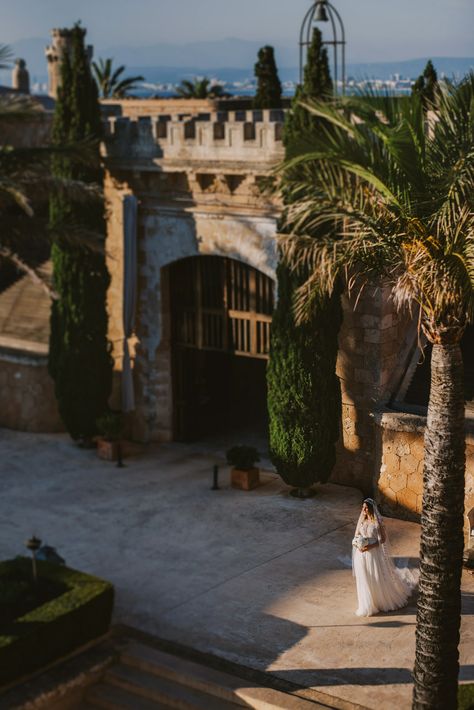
(109, 81)
(394, 198)
(200, 88)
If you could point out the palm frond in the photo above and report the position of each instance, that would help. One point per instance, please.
(25, 268)
(382, 194)
(6, 55)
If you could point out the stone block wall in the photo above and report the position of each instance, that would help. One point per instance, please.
(374, 343)
(400, 482)
(28, 401)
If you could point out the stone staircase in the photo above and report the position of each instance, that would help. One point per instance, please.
(146, 678)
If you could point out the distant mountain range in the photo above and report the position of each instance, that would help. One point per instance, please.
(229, 59)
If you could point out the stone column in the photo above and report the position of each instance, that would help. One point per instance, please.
(371, 342)
(21, 77)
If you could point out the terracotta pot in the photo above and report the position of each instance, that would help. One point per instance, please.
(108, 450)
(246, 480)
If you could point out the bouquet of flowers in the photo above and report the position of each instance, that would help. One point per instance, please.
(360, 541)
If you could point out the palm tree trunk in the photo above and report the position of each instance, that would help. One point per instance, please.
(439, 604)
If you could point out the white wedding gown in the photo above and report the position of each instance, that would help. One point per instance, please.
(380, 585)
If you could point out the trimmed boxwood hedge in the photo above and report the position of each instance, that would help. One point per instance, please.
(466, 696)
(57, 627)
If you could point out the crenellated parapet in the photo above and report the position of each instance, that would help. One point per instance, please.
(253, 138)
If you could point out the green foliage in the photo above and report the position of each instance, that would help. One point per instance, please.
(269, 86)
(110, 425)
(466, 696)
(200, 88)
(109, 81)
(49, 631)
(21, 594)
(79, 358)
(304, 398)
(300, 125)
(242, 457)
(426, 86)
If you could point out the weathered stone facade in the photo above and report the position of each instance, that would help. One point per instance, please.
(199, 184)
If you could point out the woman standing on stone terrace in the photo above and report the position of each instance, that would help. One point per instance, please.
(380, 585)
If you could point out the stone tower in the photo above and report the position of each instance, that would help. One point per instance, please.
(21, 77)
(60, 44)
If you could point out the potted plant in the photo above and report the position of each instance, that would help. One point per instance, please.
(244, 474)
(110, 428)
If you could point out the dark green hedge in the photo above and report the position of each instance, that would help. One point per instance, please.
(466, 697)
(58, 627)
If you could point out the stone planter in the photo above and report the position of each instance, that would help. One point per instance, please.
(108, 450)
(245, 479)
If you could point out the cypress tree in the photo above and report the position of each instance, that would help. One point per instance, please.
(317, 84)
(79, 358)
(304, 393)
(304, 399)
(426, 86)
(269, 86)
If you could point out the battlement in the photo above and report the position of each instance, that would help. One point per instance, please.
(253, 137)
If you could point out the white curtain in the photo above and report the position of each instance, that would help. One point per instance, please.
(129, 296)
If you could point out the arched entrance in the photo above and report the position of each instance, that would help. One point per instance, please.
(220, 328)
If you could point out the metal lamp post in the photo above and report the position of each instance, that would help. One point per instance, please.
(33, 545)
(324, 11)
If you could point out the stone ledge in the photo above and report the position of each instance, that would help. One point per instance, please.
(415, 423)
(400, 421)
(25, 352)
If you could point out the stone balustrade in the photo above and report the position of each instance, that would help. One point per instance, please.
(251, 137)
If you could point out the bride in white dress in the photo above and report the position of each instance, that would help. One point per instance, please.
(380, 585)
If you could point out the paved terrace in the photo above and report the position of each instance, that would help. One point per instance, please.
(259, 578)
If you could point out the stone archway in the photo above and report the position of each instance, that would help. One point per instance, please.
(220, 340)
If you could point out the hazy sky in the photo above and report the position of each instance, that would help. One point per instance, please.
(376, 29)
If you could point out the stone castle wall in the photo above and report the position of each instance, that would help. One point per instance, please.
(28, 401)
(374, 344)
(253, 138)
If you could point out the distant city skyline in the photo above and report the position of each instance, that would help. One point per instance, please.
(378, 30)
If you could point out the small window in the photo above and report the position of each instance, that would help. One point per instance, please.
(162, 129)
(190, 130)
(219, 131)
(249, 131)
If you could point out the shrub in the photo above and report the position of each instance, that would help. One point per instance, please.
(304, 398)
(110, 426)
(57, 627)
(243, 457)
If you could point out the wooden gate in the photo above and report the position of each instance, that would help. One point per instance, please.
(220, 309)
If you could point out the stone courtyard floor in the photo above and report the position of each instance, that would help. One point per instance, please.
(258, 578)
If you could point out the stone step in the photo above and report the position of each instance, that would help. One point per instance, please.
(162, 690)
(226, 687)
(112, 697)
